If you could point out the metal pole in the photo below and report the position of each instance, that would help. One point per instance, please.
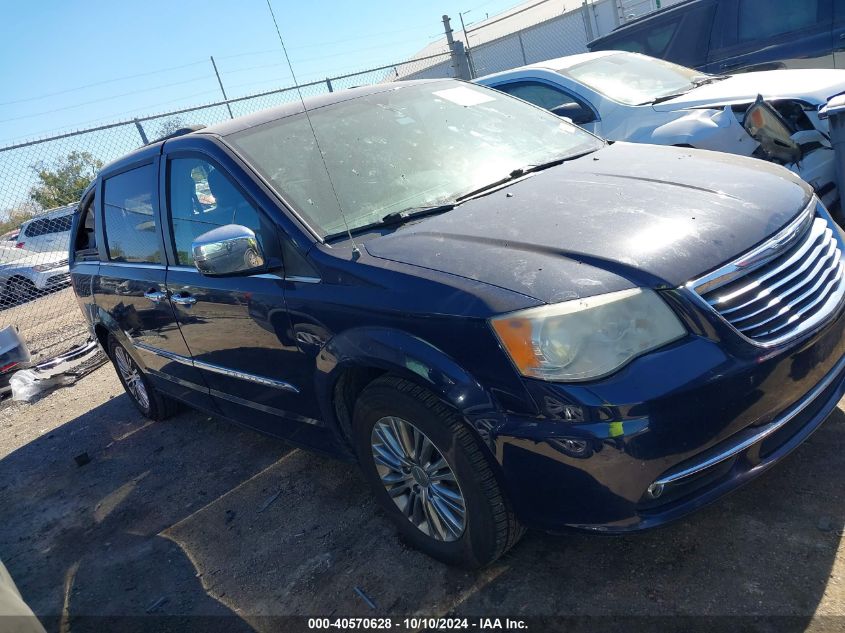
(521, 47)
(141, 132)
(329, 84)
(456, 49)
(466, 43)
(223, 90)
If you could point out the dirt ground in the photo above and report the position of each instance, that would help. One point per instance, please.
(195, 516)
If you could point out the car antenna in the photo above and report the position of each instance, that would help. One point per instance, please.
(355, 250)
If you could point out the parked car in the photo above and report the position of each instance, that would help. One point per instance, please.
(47, 232)
(505, 320)
(25, 275)
(14, 356)
(631, 97)
(10, 236)
(719, 36)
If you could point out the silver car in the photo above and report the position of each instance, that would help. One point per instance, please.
(25, 275)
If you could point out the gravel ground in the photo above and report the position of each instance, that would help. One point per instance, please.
(196, 516)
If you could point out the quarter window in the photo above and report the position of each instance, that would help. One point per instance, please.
(85, 243)
(130, 224)
(761, 19)
(201, 197)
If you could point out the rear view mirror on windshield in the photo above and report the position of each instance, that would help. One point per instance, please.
(767, 127)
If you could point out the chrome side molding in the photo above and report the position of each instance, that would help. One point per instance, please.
(217, 369)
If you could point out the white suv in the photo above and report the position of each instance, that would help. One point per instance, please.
(47, 232)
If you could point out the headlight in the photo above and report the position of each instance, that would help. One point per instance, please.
(587, 338)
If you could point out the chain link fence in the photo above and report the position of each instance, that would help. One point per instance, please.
(35, 293)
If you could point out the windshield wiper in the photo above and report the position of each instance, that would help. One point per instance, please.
(703, 80)
(412, 213)
(519, 173)
(396, 217)
(696, 82)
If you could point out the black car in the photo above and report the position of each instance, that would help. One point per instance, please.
(508, 322)
(720, 36)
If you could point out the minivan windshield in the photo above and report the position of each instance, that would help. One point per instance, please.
(634, 79)
(408, 147)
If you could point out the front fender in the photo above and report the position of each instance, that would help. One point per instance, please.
(717, 130)
(414, 359)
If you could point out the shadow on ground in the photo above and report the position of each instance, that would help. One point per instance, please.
(197, 517)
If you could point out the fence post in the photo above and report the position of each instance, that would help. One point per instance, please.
(521, 47)
(588, 23)
(329, 84)
(456, 48)
(141, 132)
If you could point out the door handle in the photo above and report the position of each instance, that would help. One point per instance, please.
(183, 300)
(155, 296)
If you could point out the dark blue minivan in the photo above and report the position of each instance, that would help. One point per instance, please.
(508, 322)
(719, 36)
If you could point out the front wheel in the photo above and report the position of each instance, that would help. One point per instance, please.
(429, 474)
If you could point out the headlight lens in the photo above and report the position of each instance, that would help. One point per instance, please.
(587, 338)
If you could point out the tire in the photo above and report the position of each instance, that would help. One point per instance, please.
(394, 406)
(147, 399)
(20, 290)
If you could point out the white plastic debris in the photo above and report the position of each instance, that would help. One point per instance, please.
(26, 384)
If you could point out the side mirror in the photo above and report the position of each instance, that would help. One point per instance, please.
(767, 127)
(575, 112)
(228, 250)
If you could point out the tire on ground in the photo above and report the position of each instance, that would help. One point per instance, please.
(491, 528)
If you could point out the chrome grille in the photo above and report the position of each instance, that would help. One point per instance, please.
(784, 287)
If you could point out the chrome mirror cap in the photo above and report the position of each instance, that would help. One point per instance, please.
(228, 250)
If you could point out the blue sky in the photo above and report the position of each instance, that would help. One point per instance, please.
(68, 65)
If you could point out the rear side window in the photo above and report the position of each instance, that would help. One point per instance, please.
(762, 19)
(129, 218)
(46, 226)
(34, 228)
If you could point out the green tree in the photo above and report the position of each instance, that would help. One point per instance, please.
(64, 181)
(169, 126)
(13, 218)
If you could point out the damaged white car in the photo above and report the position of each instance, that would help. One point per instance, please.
(632, 97)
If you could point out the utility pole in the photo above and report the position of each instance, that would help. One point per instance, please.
(456, 48)
(220, 81)
(466, 43)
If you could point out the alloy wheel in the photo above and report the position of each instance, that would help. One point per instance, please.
(418, 479)
(131, 377)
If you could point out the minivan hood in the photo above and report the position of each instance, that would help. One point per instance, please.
(814, 86)
(627, 215)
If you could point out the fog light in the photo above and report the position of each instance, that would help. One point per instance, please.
(655, 490)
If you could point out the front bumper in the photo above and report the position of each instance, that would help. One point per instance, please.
(670, 433)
